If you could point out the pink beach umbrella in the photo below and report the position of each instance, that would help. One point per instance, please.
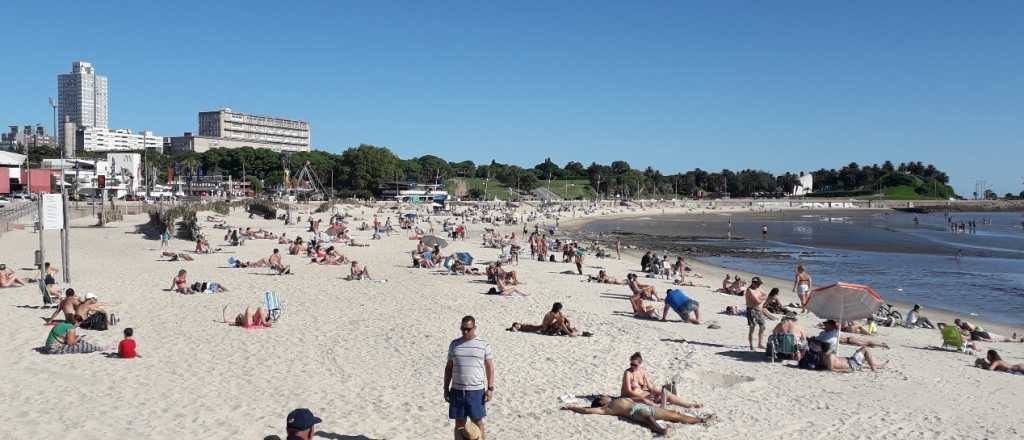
(844, 301)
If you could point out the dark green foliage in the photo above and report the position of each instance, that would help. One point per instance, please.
(263, 208)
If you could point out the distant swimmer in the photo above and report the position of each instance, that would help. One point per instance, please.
(764, 231)
(959, 253)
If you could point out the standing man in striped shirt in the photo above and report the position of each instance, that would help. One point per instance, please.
(468, 378)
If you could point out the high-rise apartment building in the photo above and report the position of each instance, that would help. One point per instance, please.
(264, 131)
(82, 97)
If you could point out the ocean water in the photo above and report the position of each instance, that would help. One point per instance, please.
(979, 273)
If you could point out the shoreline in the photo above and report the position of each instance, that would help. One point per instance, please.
(574, 227)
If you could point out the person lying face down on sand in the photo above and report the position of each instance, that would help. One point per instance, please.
(993, 361)
(554, 323)
(642, 413)
(644, 290)
(8, 278)
(175, 256)
(637, 385)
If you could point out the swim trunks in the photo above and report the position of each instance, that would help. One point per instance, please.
(641, 411)
(754, 316)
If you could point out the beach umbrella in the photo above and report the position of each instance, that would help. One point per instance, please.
(433, 240)
(844, 301)
(464, 257)
(409, 215)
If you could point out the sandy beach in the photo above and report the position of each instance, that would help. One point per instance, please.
(368, 357)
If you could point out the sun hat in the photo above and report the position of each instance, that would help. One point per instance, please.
(90, 295)
(471, 431)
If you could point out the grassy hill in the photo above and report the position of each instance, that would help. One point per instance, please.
(899, 187)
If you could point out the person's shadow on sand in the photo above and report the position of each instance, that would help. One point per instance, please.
(328, 435)
(334, 436)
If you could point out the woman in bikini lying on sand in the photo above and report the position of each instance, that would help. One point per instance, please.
(248, 319)
(993, 361)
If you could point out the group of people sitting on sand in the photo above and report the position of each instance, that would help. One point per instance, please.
(733, 286)
(426, 256)
(642, 402)
(86, 313)
(505, 281)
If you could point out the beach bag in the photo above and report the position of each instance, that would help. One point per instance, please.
(551, 258)
(98, 321)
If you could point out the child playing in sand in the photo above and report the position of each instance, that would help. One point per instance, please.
(126, 348)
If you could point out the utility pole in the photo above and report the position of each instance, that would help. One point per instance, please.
(64, 257)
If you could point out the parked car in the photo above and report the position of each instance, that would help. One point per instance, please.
(4, 202)
(23, 196)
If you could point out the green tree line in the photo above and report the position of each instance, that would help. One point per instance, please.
(367, 169)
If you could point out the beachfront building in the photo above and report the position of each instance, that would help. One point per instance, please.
(121, 171)
(81, 98)
(413, 192)
(279, 134)
(104, 139)
(804, 186)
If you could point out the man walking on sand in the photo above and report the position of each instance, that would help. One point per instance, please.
(756, 313)
(468, 379)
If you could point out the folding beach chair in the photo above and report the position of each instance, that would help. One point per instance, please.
(952, 338)
(48, 299)
(273, 306)
(781, 345)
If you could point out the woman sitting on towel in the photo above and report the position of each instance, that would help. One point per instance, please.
(63, 339)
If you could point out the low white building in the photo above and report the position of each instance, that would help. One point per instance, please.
(121, 139)
(121, 172)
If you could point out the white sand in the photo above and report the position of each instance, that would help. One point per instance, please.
(368, 358)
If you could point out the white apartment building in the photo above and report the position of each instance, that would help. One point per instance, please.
(261, 131)
(104, 139)
(81, 98)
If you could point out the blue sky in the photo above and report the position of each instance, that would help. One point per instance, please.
(675, 84)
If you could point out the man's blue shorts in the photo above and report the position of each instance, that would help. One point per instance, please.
(686, 308)
(462, 404)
